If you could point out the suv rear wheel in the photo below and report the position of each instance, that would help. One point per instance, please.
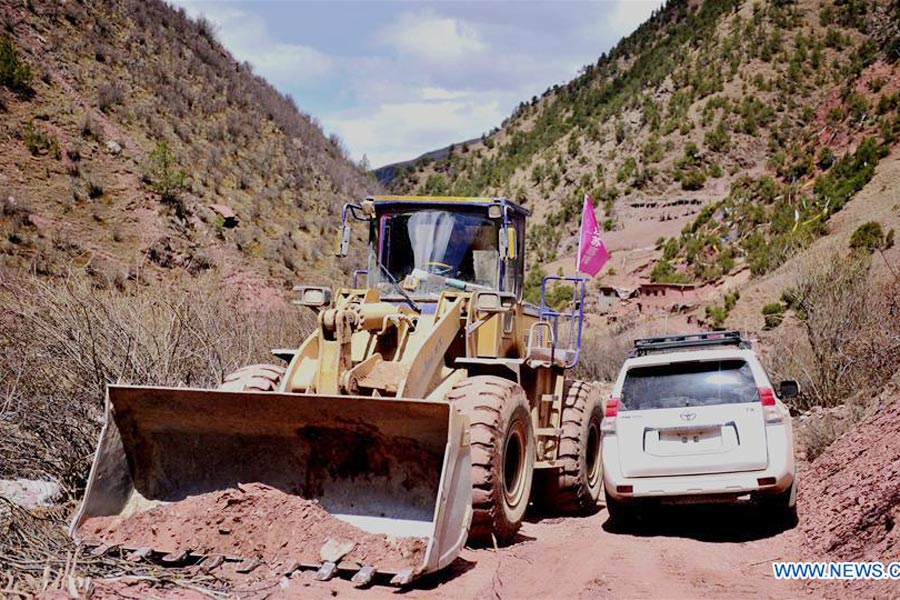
(622, 513)
(781, 507)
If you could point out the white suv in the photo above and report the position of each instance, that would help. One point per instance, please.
(694, 418)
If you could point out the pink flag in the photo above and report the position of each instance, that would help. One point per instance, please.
(592, 254)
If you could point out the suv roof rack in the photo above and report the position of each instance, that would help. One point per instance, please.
(664, 343)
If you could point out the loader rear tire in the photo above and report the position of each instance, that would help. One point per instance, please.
(254, 378)
(575, 487)
(502, 455)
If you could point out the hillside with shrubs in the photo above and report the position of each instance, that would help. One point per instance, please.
(744, 153)
(157, 199)
(770, 114)
(133, 145)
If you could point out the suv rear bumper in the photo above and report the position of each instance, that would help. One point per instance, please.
(686, 488)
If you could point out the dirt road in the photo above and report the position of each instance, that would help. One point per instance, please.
(718, 552)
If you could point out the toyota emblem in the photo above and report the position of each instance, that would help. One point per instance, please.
(688, 416)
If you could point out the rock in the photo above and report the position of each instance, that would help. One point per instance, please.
(334, 550)
(113, 147)
(29, 493)
(229, 218)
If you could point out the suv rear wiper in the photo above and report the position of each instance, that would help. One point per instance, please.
(406, 297)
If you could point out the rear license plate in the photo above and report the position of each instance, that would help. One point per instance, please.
(689, 435)
(690, 439)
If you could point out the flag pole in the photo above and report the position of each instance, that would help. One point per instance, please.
(580, 238)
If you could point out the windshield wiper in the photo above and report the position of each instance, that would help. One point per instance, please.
(450, 282)
(412, 303)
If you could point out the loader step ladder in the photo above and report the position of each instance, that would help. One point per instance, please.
(548, 432)
(559, 328)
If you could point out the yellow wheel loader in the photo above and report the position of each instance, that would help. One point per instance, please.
(430, 402)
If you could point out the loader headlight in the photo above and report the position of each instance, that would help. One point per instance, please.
(313, 296)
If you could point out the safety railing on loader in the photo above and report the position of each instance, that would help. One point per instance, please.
(667, 343)
(359, 274)
(564, 323)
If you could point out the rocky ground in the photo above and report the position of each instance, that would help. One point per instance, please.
(255, 521)
(847, 508)
(680, 554)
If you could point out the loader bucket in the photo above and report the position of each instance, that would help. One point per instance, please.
(395, 467)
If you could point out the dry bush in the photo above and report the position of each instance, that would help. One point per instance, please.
(815, 436)
(62, 342)
(845, 343)
(38, 560)
(109, 95)
(604, 350)
(601, 356)
(820, 427)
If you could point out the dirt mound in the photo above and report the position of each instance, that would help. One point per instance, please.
(850, 496)
(255, 521)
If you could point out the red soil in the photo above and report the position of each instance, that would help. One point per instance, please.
(846, 136)
(254, 521)
(850, 496)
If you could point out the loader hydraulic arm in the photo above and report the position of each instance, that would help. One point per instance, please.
(336, 329)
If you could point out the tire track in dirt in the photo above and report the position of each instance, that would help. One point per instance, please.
(688, 552)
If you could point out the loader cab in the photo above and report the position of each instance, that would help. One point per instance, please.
(426, 245)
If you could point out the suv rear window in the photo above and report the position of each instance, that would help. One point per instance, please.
(691, 383)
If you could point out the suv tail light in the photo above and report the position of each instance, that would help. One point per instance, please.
(771, 412)
(609, 420)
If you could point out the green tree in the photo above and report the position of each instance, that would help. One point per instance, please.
(773, 312)
(718, 139)
(165, 178)
(532, 287)
(664, 272)
(14, 73)
(870, 237)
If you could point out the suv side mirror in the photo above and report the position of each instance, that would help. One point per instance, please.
(789, 389)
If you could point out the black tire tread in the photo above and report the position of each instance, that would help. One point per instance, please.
(566, 491)
(254, 378)
(483, 399)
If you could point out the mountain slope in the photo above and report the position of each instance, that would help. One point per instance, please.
(705, 101)
(137, 136)
(386, 174)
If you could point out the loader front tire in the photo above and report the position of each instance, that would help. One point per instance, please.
(254, 378)
(575, 487)
(502, 443)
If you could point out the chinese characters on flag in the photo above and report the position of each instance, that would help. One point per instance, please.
(592, 253)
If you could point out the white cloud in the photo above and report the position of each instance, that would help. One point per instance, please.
(286, 64)
(432, 37)
(426, 78)
(627, 15)
(438, 93)
(400, 131)
(248, 39)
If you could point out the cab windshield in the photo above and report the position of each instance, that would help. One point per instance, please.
(427, 251)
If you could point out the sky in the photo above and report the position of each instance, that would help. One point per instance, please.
(394, 79)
